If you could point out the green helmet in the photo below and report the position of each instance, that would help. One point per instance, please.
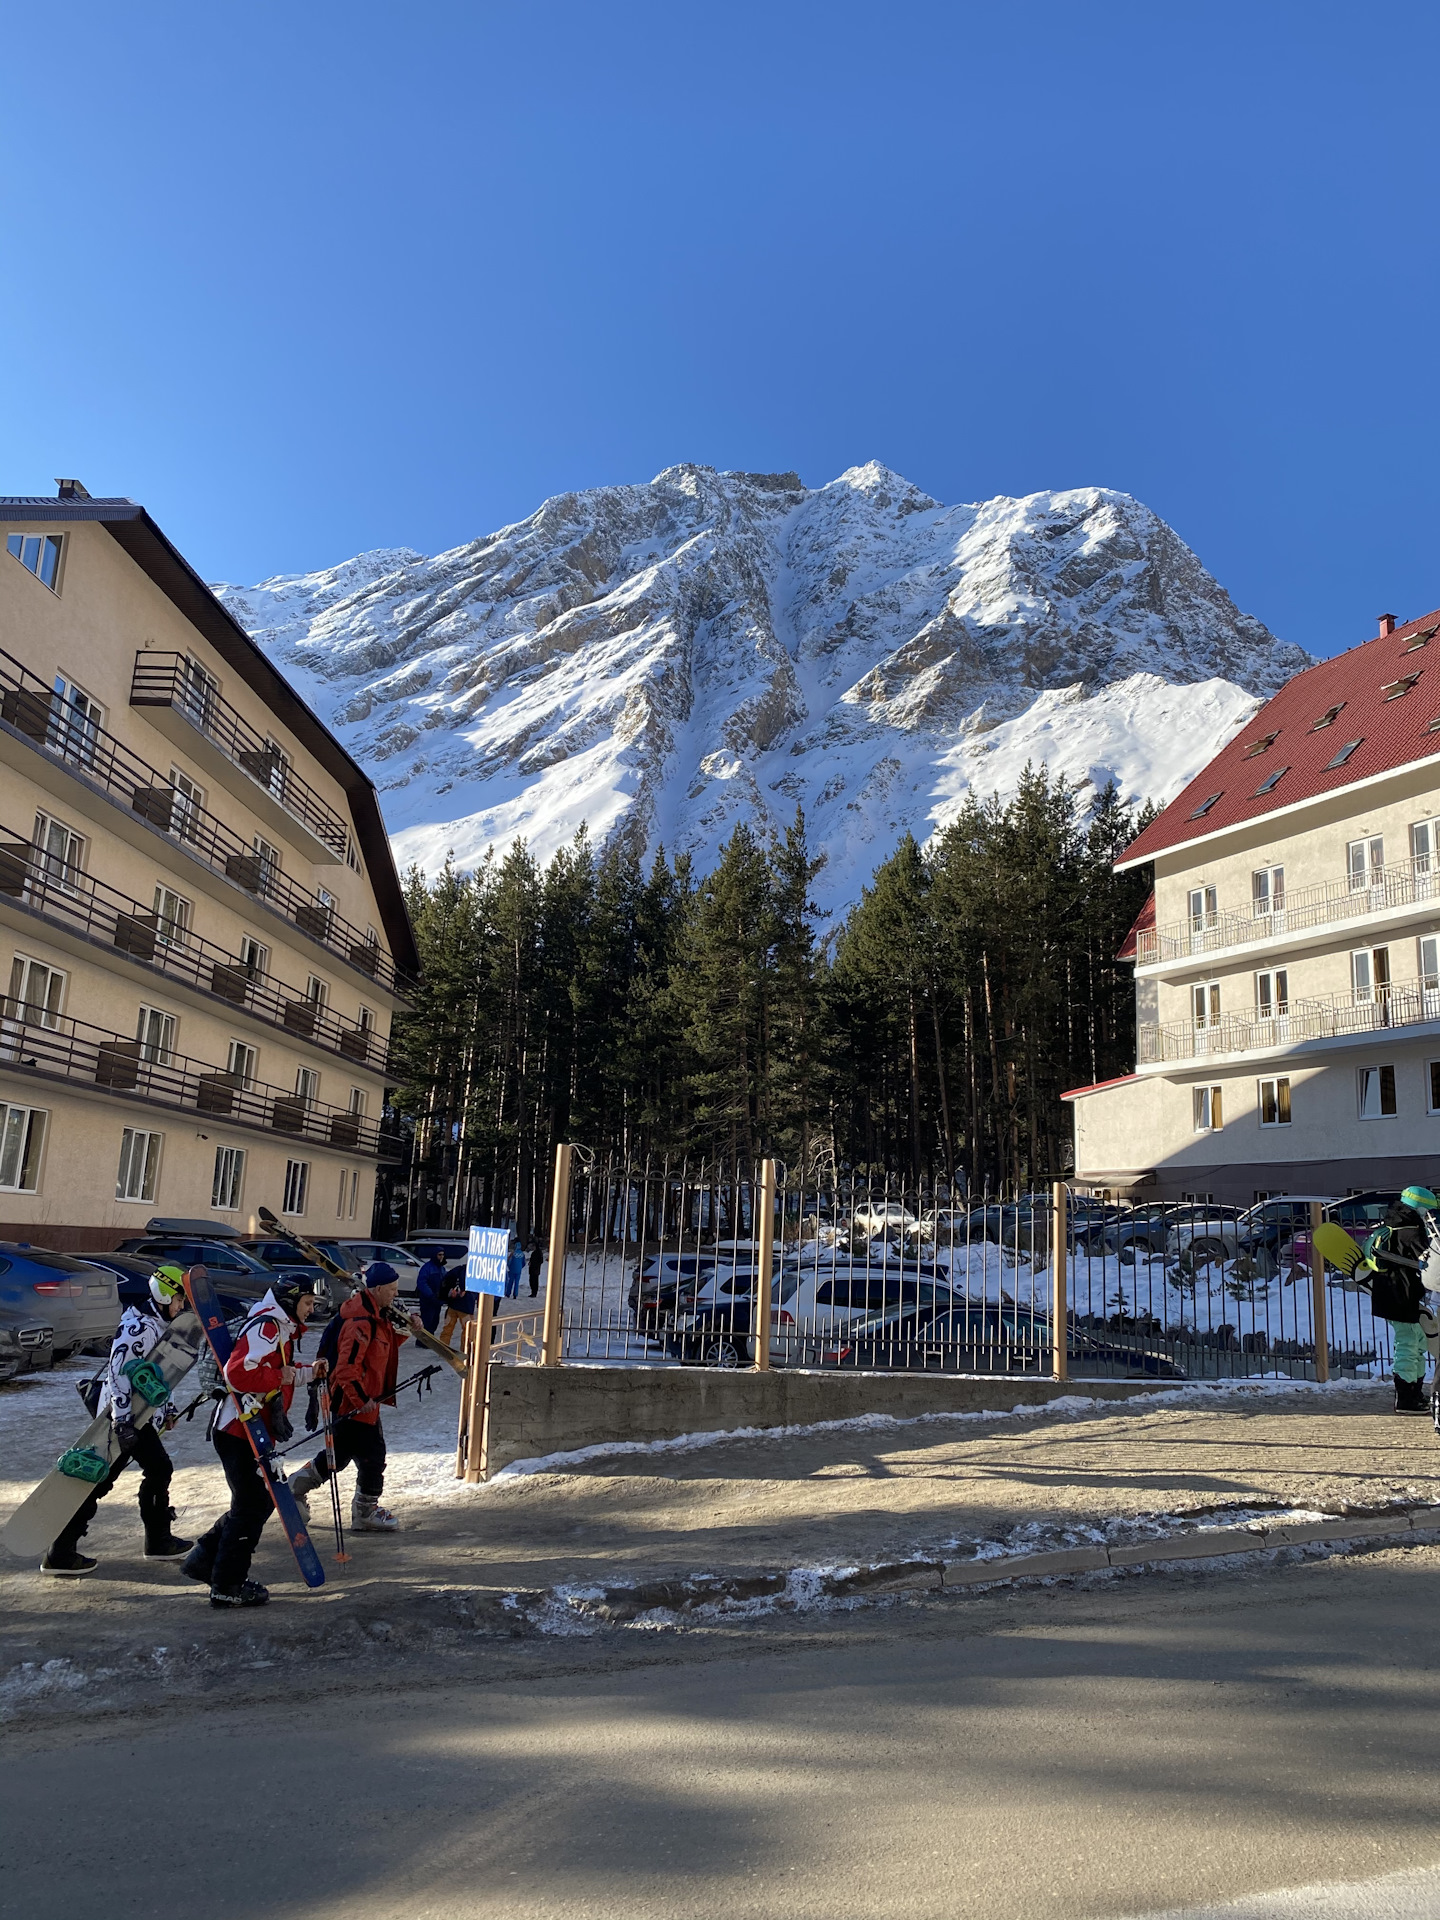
(166, 1284)
(1420, 1198)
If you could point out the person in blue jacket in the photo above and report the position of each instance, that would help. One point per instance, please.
(514, 1266)
(431, 1287)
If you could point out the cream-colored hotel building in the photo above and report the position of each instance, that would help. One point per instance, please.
(204, 936)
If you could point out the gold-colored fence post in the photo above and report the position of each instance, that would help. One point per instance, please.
(1059, 1278)
(1319, 1315)
(471, 1446)
(765, 1280)
(555, 1272)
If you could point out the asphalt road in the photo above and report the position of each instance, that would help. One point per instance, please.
(1148, 1745)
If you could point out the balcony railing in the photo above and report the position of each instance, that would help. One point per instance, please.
(1331, 1017)
(81, 904)
(1330, 903)
(54, 1047)
(169, 680)
(96, 756)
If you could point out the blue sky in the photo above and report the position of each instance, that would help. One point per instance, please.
(308, 280)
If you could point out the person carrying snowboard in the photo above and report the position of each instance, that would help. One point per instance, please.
(1398, 1251)
(141, 1330)
(367, 1360)
(261, 1374)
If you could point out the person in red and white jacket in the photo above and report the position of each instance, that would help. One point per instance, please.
(262, 1373)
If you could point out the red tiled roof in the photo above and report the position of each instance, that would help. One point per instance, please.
(1074, 1093)
(1144, 921)
(1391, 727)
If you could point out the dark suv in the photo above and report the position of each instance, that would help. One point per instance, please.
(239, 1278)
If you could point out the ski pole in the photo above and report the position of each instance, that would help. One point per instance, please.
(340, 1554)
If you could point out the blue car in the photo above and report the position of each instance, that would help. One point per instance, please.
(81, 1302)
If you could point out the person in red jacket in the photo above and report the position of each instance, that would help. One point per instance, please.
(367, 1360)
(261, 1374)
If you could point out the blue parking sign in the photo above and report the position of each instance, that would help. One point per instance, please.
(485, 1260)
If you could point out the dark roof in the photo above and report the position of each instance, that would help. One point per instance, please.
(1379, 701)
(1099, 1086)
(1144, 921)
(131, 527)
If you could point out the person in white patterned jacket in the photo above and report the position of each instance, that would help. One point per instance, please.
(140, 1331)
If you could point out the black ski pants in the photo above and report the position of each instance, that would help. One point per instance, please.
(150, 1456)
(230, 1544)
(358, 1441)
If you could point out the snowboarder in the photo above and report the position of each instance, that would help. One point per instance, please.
(1397, 1291)
(367, 1360)
(261, 1374)
(140, 1331)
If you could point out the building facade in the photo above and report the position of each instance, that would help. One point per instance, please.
(204, 935)
(1287, 965)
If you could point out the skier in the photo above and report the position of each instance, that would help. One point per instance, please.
(1399, 1250)
(140, 1331)
(430, 1287)
(261, 1374)
(367, 1359)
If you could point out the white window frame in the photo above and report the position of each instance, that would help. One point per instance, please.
(297, 1188)
(191, 801)
(254, 957)
(1272, 993)
(76, 736)
(1368, 1078)
(1365, 862)
(47, 551)
(46, 1012)
(243, 1063)
(1427, 972)
(152, 1022)
(228, 1182)
(1281, 1099)
(307, 1086)
(354, 1190)
(1207, 1108)
(59, 866)
(269, 858)
(352, 854)
(1267, 892)
(174, 916)
(1205, 1004)
(340, 1199)
(317, 992)
(22, 1146)
(148, 1145)
(1367, 987)
(280, 768)
(357, 1102)
(1432, 1086)
(199, 687)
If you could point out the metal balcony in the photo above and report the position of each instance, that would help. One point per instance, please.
(189, 710)
(75, 903)
(95, 758)
(1332, 1017)
(1331, 903)
(57, 1048)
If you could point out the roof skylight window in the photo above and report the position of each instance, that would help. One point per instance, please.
(1267, 785)
(1421, 638)
(1344, 754)
(1262, 745)
(1397, 689)
(1205, 805)
(1329, 717)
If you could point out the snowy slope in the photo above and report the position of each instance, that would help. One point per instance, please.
(667, 659)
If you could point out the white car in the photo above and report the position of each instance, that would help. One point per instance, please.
(877, 1216)
(813, 1302)
(367, 1252)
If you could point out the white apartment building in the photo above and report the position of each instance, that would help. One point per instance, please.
(203, 937)
(1287, 964)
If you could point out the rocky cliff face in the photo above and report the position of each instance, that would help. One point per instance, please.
(665, 660)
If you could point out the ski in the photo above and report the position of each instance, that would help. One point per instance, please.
(327, 1265)
(65, 1489)
(206, 1303)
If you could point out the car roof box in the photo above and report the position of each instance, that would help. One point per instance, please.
(192, 1229)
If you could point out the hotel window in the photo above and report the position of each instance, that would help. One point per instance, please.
(38, 553)
(317, 993)
(1424, 846)
(242, 1063)
(354, 1189)
(60, 851)
(1429, 958)
(279, 768)
(1204, 909)
(365, 1020)
(139, 1164)
(155, 1031)
(173, 914)
(1207, 1109)
(297, 1186)
(254, 958)
(1275, 1102)
(78, 720)
(198, 688)
(269, 858)
(22, 1134)
(307, 1086)
(185, 810)
(1370, 976)
(352, 854)
(1205, 1003)
(1272, 993)
(1377, 1093)
(37, 992)
(228, 1180)
(1365, 863)
(357, 1102)
(1267, 891)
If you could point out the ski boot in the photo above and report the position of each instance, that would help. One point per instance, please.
(368, 1516)
(1410, 1395)
(74, 1568)
(249, 1593)
(303, 1484)
(161, 1540)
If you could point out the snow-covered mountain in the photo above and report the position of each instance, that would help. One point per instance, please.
(665, 660)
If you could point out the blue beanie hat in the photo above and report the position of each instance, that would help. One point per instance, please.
(381, 1274)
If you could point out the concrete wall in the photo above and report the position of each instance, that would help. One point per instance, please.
(540, 1410)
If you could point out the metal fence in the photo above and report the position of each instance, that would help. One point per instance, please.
(665, 1264)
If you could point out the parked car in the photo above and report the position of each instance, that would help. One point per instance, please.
(25, 1343)
(283, 1259)
(944, 1338)
(365, 1252)
(816, 1302)
(665, 1284)
(132, 1274)
(448, 1245)
(874, 1217)
(80, 1302)
(239, 1278)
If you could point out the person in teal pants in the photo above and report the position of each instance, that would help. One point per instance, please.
(1397, 1251)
